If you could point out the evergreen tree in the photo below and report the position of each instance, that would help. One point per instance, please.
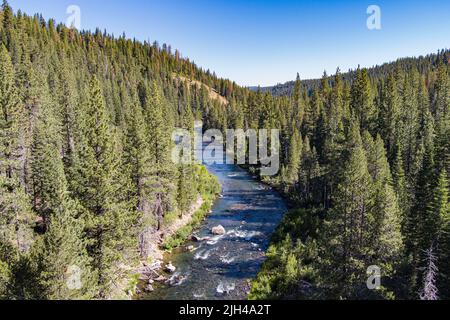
(409, 124)
(109, 221)
(347, 239)
(390, 113)
(186, 192)
(336, 111)
(418, 235)
(387, 234)
(442, 115)
(48, 177)
(7, 258)
(294, 157)
(7, 33)
(444, 258)
(11, 118)
(63, 246)
(401, 187)
(298, 107)
(68, 111)
(63, 259)
(136, 153)
(439, 218)
(16, 217)
(424, 194)
(362, 102)
(429, 290)
(159, 138)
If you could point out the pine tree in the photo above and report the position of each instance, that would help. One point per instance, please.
(409, 124)
(416, 231)
(68, 111)
(63, 259)
(438, 219)
(426, 133)
(8, 25)
(136, 158)
(16, 217)
(62, 246)
(160, 147)
(444, 255)
(441, 99)
(109, 221)
(441, 102)
(136, 152)
(294, 157)
(48, 177)
(362, 100)
(390, 113)
(347, 242)
(401, 187)
(11, 117)
(437, 209)
(429, 290)
(336, 111)
(387, 233)
(309, 175)
(186, 192)
(297, 103)
(7, 259)
(424, 195)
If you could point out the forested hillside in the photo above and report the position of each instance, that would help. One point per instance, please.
(85, 142)
(421, 63)
(86, 176)
(366, 168)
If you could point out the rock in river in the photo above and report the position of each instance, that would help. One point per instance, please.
(161, 279)
(199, 239)
(170, 268)
(218, 231)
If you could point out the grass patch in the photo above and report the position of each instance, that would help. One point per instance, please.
(183, 233)
(208, 187)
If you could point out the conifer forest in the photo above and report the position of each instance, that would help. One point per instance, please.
(87, 184)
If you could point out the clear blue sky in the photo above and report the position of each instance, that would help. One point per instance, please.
(264, 42)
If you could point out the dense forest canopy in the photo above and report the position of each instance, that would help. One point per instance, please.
(86, 176)
(366, 169)
(421, 63)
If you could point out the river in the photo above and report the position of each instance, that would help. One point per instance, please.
(223, 266)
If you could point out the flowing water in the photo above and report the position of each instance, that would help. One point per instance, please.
(221, 267)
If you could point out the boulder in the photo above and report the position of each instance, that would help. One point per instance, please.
(149, 288)
(199, 239)
(176, 280)
(170, 268)
(161, 279)
(218, 231)
(156, 265)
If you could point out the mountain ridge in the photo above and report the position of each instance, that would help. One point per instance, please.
(286, 88)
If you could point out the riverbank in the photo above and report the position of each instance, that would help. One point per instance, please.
(221, 266)
(136, 275)
(155, 269)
